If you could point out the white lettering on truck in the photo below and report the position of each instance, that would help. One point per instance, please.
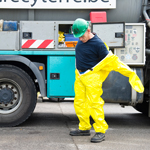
(54, 4)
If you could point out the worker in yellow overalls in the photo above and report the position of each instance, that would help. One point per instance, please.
(94, 62)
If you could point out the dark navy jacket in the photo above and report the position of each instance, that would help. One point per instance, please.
(90, 53)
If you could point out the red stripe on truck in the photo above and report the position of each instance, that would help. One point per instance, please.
(28, 43)
(45, 43)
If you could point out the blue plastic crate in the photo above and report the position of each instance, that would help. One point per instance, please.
(70, 37)
(10, 26)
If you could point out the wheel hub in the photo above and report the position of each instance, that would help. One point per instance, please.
(6, 95)
(10, 96)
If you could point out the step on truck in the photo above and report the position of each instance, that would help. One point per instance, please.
(37, 51)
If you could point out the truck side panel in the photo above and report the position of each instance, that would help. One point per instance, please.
(60, 76)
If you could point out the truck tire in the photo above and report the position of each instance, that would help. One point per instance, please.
(17, 96)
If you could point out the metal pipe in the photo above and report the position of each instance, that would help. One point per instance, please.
(145, 13)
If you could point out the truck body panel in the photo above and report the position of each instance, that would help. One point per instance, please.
(42, 51)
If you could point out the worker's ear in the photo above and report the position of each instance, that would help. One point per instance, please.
(89, 30)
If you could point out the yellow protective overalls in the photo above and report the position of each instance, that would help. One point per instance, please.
(88, 91)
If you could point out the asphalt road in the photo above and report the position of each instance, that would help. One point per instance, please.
(49, 126)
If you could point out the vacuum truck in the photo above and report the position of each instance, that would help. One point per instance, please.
(37, 51)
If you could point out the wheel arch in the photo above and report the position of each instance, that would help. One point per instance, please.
(29, 67)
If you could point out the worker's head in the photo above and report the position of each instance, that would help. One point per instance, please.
(81, 29)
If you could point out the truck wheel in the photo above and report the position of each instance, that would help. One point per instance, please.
(143, 107)
(17, 96)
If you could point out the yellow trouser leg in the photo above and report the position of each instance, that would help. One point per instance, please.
(81, 105)
(88, 89)
(95, 102)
